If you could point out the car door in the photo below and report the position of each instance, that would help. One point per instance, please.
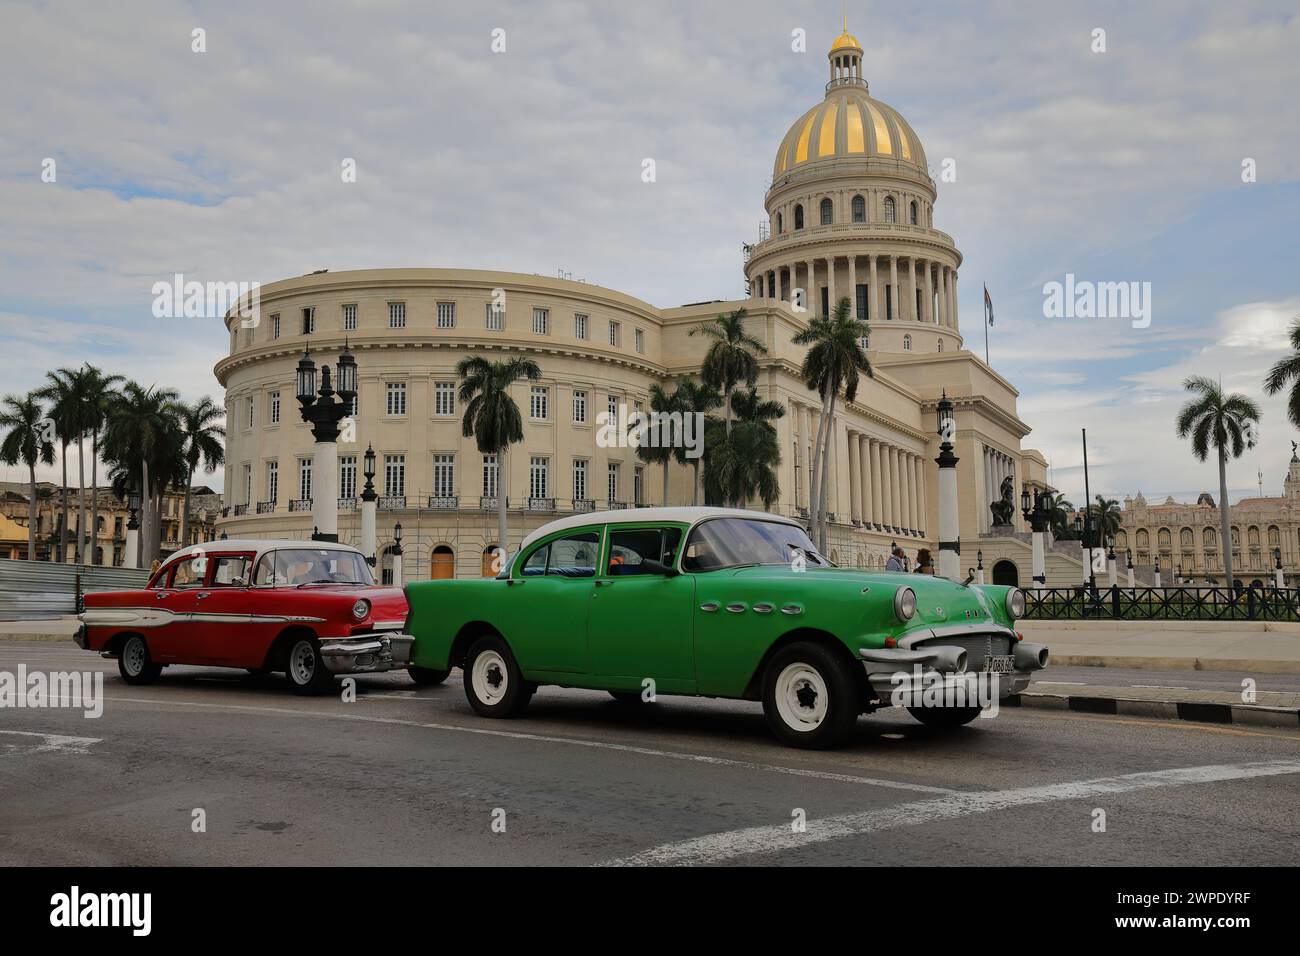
(543, 610)
(221, 611)
(640, 623)
(172, 639)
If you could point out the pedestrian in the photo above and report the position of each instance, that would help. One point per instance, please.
(924, 563)
(897, 560)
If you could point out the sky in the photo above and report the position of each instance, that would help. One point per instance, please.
(1122, 164)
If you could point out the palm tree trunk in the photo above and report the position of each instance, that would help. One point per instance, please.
(665, 499)
(63, 531)
(81, 499)
(185, 510)
(94, 494)
(826, 474)
(726, 399)
(31, 514)
(146, 503)
(695, 482)
(501, 505)
(814, 476)
(1225, 529)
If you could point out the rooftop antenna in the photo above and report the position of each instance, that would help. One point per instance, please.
(1260, 476)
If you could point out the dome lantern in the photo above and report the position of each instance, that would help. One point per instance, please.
(846, 61)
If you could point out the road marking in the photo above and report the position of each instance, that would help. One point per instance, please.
(76, 745)
(1147, 722)
(572, 741)
(717, 847)
(1063, 683)
(1158, 686)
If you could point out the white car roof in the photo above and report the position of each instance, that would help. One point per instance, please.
(259, 545)
(684, 515)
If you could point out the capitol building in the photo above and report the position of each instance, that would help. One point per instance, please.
(850, 212)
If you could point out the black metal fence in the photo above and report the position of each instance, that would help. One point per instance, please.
(1162, 604)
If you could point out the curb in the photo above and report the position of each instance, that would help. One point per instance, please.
(1178, 663)
(1206, 713)
(42, 636)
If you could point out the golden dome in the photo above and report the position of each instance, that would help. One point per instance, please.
(846, 41)
(849, 124)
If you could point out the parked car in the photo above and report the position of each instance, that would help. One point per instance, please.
(721, 603)
(308, 608)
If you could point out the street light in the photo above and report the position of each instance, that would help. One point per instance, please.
(369, 505)
(949, 533)
(1039, 515)
(396, 552)
(324, 409)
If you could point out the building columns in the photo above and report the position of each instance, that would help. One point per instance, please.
(875, 288)
(876, 485)
(893, 287)
(853, 286)
(855, 478)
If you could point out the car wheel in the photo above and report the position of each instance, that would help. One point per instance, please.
(306, 668)
(427, 676)
(810, 699)
(493, 682)
(134, 663)
(944, 717)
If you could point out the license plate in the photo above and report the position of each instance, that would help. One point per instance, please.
(999, 663)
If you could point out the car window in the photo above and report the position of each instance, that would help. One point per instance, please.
(535, 563)
(630, 547)
(230, 570)
(731, 542)
(265, 571)
(574, 556)
(189, 572)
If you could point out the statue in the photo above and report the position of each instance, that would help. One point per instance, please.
(1005, 507)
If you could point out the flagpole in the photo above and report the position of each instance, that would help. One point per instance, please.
(986, 341)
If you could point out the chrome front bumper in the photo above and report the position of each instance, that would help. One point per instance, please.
(367, 653)
(892, 669)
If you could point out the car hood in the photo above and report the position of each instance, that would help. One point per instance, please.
(386, 604)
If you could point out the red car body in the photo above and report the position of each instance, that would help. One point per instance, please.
(229, 604)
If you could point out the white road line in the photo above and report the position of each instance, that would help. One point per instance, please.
(55, 742)
(717, 847)
(1064, 683)
(1158, 686)
(572, 741)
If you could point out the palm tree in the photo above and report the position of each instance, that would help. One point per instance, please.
(1287, 371)
(201, 437)
(99, 391)
(142, 438)
(661, 438)
(491, 415)
(1106, 517)
(66, 412)
(834, 360)
(26, 443)
(694, 398)
(732, 358)
(742, 466)
(1061, 508)
(1226, 423)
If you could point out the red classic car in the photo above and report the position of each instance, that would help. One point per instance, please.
(308, 608)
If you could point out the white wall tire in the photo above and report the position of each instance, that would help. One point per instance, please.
(494, 684)
(811, 698)
(134, 662)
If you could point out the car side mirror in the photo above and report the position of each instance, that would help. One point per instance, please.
(658, 567)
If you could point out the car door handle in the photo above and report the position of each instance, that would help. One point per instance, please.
(161, 595)
(511, 582)
(202, 595)
(604, 584)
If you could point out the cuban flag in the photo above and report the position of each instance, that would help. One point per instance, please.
(988, 306)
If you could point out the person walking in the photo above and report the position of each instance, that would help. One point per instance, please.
(897, 560)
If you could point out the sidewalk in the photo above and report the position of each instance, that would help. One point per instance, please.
(58, 629)
(1252, 646)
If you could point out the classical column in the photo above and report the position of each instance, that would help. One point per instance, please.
(831, 300)
(943, 302)
(893, 287)
(911, 291)
(922, 509)
(914, 485)
(855, 476)
(895, 496)
(864, 470)
(905, 477)
(853, 286)
(877, 485)
(955, 323)
(875, 288)
(811, 291)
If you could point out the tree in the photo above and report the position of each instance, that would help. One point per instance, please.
(732, 358)
(201, 436)
(742, 465)
(1287, 372)
(491, 416)
(99, 392)
(143, 438)
(661, 437)
(1061, 510)
(694, 398)
(1106, 517)
(834, 360)
(1223, 422)
(26, 443)
(62, 390)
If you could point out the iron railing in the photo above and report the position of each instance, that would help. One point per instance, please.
(1162, 604)
(32, 590)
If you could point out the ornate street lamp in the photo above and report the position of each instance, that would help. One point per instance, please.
(396, 552)
(1128, 557)
(1039, 516)
(1279, 579)
(1112, 569)
(949, 531)
(369, 506)
(979, 567)
(131, 553)
(323, 409)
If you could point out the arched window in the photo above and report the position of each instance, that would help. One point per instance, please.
(912, 214)
(1143, 539)
(798, 217)
(780, 223)
(1236, 538)
(940, 348)
(859, 209)
(442, 563)
(1209, 540)
(1252, 535)
(828, 212)
(1165, 539)
(1121, 540)
(1186, 539)
(907, 343)
(890, 214)
(1274, 536)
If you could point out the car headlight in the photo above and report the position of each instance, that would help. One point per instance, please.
(361, 609)
(904, 604)
(1015, 604)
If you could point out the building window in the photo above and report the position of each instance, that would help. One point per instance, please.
(444, 476)
(397, 315)
(275, 408)
(394, 476)
(827, 211)
(250, 413)
(304, 478)
(347, 476)
(446, 315)
(349, 318)
(862, 303)
(308, 321)
(912, 213)
(272, 481)
(889, 302)
(444, 398)
(494, 317)
(611, 408)
(859, 209)
(396, 392)
(580, 408)
(940, 348)
(579, 479)
(539, 473)
(490, 469)
(890, 213)
(537, 402)
(611, 481)
(275, 325)
(798, 217)
(579, 326)
(638, 339)
(907, 343)
(541, 321)
(248, 484)
(615, 333)
(638, 485)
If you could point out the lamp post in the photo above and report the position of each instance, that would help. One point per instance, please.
(979, 567)
(369, 505)
(396, 552)
(1178, 579)
(1128, 557)
(323, 412)
(1039, 516)
(1112, 567)
(1081, 529)
(949, 533)
(1279, 579)
(1158, 584)
(1087, 514)
(131, 554)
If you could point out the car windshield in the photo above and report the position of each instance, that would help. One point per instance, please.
(294, 567)
(734, 542)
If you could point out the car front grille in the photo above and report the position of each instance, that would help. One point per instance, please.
(977, 647)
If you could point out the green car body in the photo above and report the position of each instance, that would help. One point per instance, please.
(620, 602)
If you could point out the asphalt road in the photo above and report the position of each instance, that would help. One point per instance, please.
(411, 776)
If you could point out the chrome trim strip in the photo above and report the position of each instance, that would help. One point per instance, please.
(791, 609)
(957, 630)
(763, 607)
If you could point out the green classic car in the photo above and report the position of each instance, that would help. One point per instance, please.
(720, 602)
